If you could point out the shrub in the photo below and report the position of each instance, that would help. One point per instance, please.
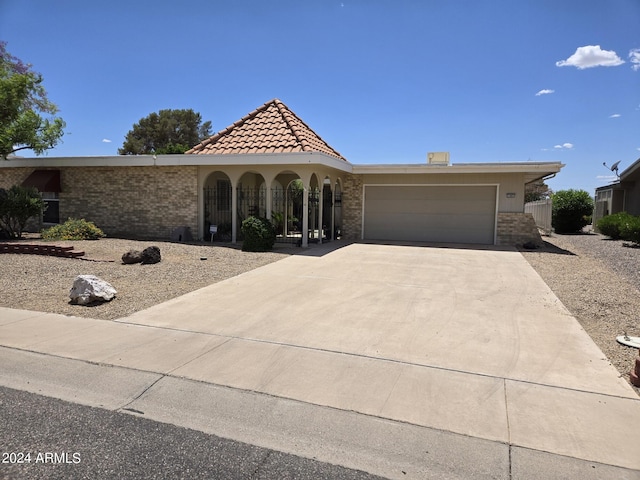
(17, 206)
(630, 229)
(73, 229)
(571, 210)
(611, 224)
(259, 234)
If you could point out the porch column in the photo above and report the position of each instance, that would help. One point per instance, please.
(320, 200)
(333, 213)
(305, 215)
(234, 212)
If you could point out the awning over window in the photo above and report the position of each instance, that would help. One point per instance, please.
(44, 180)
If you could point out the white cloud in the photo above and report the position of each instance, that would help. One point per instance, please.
(564, 146)
(606, 178)
(106, 140)
(634, 57)
(591, 56)
(615, 115)
(545, 91)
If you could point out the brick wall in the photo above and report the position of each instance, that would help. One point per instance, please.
(352, 207)
(141, 202)
(517, 228)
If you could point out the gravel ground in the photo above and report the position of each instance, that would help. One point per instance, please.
(598, 281)
(35, 282)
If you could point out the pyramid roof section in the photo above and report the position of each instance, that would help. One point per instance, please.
(270, 128)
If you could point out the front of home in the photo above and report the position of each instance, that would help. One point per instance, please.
(270, 163)
(620, 196)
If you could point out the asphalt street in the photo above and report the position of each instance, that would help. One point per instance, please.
(69, 441)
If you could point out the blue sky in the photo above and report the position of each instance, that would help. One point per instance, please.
(382, 81)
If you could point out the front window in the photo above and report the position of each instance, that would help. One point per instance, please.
(52, 212)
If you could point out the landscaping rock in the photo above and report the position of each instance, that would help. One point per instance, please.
(150, 255)
(132, 256)
(89, 289)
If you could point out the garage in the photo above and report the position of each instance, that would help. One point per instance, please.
(430, 213)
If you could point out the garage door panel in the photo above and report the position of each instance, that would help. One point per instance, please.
(464, 214)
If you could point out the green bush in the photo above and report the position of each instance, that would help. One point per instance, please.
(73, 229)
(630, 230)
(259, 235)
(611, 224)
(17, 206)
(571, 210)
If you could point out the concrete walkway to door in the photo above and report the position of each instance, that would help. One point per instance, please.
(468, 342)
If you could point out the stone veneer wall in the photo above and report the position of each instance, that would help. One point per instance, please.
(352, 207)
(517, 228)
(142, 202)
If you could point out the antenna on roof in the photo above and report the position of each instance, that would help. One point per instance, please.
(613, 168)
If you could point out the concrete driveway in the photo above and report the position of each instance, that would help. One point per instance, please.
(460, 340)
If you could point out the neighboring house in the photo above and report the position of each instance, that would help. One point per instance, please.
(621, 196)
(270, 163)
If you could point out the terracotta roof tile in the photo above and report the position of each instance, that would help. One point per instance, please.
(269, 128)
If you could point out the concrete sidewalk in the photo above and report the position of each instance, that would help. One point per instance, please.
(447, 361)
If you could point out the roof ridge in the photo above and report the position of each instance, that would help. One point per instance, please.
(282, 108)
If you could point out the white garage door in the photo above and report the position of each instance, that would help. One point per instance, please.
(457, 214)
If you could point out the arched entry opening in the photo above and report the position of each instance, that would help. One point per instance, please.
(287, 207)
(327, 210)
(252, 197)
(217, 205)
(315, 225)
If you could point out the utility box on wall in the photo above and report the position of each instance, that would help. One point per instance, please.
(438, 158)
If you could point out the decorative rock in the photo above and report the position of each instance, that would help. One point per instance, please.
(132, 256)
(150, 255)
(89, 289)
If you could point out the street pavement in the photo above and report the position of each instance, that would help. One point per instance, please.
(403, 361)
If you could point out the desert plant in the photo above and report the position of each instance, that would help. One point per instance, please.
(610, 225)
(73, 229)
(259, 234)
(17, 206)
(571, 210)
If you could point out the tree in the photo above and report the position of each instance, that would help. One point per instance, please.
(168, 131)
(536, 191)
(22, 101)
(17, 206)
(571, 210)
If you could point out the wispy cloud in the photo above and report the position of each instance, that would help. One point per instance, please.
(591, 56)
(564, 146)
(634, 58)
(545, 91)
(606, 178)
(106, 140)
(615, 115)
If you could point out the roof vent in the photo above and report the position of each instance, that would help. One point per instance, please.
(438, 158)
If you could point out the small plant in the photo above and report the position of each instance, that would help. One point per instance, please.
(571, 210)
(73, 229)
(630, 230)
(611, 224)
(259, 235)
(17, 206)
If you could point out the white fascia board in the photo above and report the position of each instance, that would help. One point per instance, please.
(297, 158)
(519, 167)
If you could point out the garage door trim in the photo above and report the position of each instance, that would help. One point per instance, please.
(497, 197)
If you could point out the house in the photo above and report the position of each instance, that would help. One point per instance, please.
(621, 196)
(270, 163)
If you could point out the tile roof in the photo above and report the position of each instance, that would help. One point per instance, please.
(270, 128)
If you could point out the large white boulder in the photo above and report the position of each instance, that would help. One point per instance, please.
(88, 289)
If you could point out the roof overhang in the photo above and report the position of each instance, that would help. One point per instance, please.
(293, 158)
(532, 170)
(631, 172)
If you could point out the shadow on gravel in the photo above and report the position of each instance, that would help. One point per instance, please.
(547, 248)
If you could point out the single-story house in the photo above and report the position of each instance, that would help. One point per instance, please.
(270, 163)
(620, 196)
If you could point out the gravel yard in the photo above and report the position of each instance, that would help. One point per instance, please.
(597, 279)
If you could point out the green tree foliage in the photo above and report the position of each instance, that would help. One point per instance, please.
(23, 100)
(536, 191)
(168, 131)
(571, 210)
(17, 206)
